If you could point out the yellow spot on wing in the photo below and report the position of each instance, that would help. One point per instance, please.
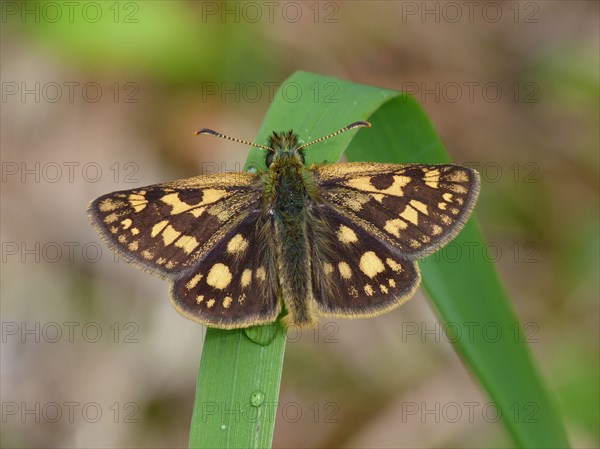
(108, 205)
(394, 226)
(138, 201)
(442, 206)
(209, 196)
(227, 301)
(410, 214)
(133, 246)
(391, 282)
(177, 206)
(158, 227)
(370, 264)
(212, 195)
(364, 183)
(210, 303)
(368, 290)
(328, 268)
(393, 265)
(219, 276)
(187, 243)
(432, 178)
(135, 231)
(436, 229)
(147, 254)
(238, 244)
(193, 281)
(396, 188)
(246, 277)
(447, 196)
(169, 235)
(198, 211)
(110, 218)
(261, 274)
(383, 288)
(126, 223)
(458, 176)
(346, 235)
(378, 197)
(345, 270)
(421, 207)
(199, 298)
(354, 202)
(458, 188)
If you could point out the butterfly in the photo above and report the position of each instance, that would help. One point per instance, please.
(297, 240)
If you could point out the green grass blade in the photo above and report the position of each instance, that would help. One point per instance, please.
(233, 367)
(237, 391)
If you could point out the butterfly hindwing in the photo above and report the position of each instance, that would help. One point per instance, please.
(235, 285)
(167, 227)
(414, 208)
(355, 275)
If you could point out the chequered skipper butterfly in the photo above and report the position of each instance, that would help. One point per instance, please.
(321, 240)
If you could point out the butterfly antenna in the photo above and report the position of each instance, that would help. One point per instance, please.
(210, 132)
(343, 130)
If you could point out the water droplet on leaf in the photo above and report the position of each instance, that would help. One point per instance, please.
(262, 335)
(257, 398)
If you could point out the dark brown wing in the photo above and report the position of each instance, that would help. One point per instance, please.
(353, 273)
(167, 228)
(236, 284)
(414, 208)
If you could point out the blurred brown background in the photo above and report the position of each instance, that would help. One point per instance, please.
(101, 96)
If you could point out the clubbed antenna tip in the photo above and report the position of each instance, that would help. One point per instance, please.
(207, 131)
(359, 124)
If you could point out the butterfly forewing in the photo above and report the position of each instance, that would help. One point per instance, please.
(413, 208)
(166, 228)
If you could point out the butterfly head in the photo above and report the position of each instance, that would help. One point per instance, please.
(284, 145)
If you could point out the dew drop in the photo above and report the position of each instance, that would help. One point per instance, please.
(257, 398)
(223, 427)
(262, 335)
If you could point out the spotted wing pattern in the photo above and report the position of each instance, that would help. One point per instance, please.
(236, 284)
(206, 234)
(166, 228)
(414, 208)
(353, 274)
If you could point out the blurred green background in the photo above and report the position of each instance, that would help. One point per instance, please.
(102, 96)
